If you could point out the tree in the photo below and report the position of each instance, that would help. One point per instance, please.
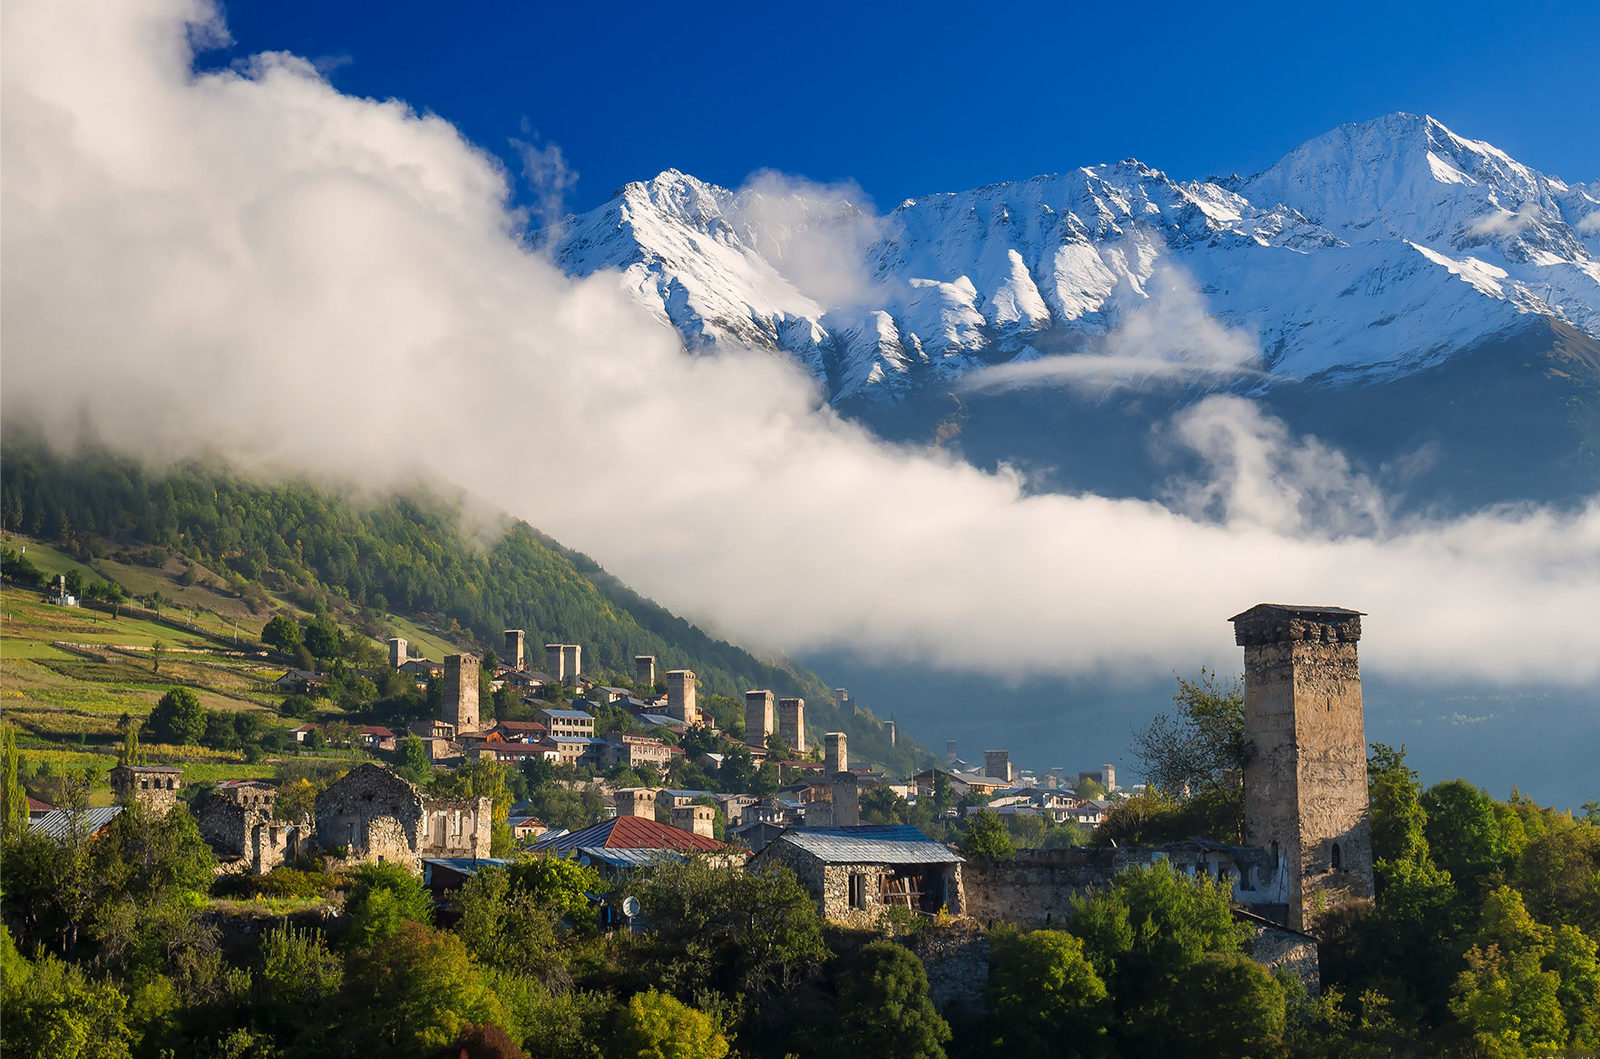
(1198, 752)
(414, 758)
(1395, 795)
(178, 717)
(158, 650)
(986, 837)
(1462, 830)
(1224, 1005)
(296, 801)
(130, 753)
(1046, 996)
(658, 1026)
(282, 634)
(384, 897)
(13, 799)
(881, 804)
(884, 1007)
(414, 991)
(322, 638)
(752, 933)
(52, 1009)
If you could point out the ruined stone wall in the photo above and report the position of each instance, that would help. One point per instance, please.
(957, 962)
(1273, 947)
(455, 827)
(1036, 889)
(373, 814)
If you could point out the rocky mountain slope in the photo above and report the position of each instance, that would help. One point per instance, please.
(1377, 253)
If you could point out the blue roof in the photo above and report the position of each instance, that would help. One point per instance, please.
(622, 858)
(466, 865)
(687, 794)
(869, 844)
(571, 715)
(57, 823)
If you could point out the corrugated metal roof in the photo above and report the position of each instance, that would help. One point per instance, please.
(629, 832)
(869, 844)
(58, 822)
(623, 858)
(571, 715)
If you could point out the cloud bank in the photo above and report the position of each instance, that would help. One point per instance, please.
(249, 262)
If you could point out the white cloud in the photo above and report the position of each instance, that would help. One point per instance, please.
(548, 176)
(1165, 336)
(252, 264)
(1505, 223)
(1590, 224)
(815, 235)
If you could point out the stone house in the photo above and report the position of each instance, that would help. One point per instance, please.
(856, 873)
(374, 814)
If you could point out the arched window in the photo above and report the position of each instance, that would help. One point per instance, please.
(1336, 857)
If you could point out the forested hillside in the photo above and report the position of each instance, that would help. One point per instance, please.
(411, 555)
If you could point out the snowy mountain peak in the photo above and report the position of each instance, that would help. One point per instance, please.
(1374, 250)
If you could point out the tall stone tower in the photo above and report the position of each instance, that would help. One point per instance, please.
(571, 663)
(553, 662)
(397, 652)
(516, 642)
(1305, 776)
(461, 692)
(757, 718)
(792, 724)
(836, 754)
(644, 669)
(680, 696)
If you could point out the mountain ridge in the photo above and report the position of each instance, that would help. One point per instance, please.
(1370, 253)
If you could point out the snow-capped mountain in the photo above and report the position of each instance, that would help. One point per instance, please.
(1368, 254)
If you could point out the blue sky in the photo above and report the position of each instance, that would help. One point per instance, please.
(906, 99)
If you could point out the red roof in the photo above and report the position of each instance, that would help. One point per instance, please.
(522, 726)
(634, 832)
(36, 806)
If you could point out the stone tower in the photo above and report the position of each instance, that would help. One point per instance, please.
(757, 718)
(397, 652)
(846, 800)
(553, 660)
(461, 692)
(571, 663)
(792, 723)
(516, 643)
(1305, 776)
(997, 764)
(154, 787)
(680, 696)
(836, 754)
(891, 732)
(644, 669)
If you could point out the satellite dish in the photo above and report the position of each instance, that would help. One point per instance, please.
(630, 906)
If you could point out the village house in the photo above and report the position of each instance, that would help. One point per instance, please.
(628, 842)
(856, 872)
(623, 748)
(566, 723)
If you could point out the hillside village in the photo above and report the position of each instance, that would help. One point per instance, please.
(824, 816)
(314, 760)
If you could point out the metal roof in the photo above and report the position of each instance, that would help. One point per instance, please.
(869, 844)
(623, 858)
(466, 865)
(568, 714)
(58, 822)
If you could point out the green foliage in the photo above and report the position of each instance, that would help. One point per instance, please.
(383, 897)
(483, 778)
(1045, 994)
(884, 1007)
(986, 837)
(1224, 1005)
(141, 853)
(13, 799)
(52, 1010)
(749, 933)
(658, 1026)
(281, 633)
(178, 718)
(1198, 750)
(1462, 829)
(412, 991)
(1152, 922)
(1395, 796)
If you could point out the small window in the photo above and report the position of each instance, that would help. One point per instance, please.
(1337, 857)
(1274, 853)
